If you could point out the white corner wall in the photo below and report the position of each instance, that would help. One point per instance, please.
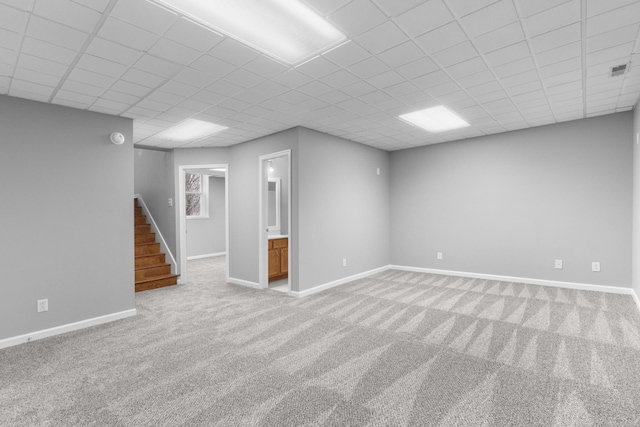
(636, 202)
(67, 219)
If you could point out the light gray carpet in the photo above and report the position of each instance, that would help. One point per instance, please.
(395, 349)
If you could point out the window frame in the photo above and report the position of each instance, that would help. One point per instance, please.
(204, 196)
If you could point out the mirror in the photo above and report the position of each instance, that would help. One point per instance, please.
(273, 196)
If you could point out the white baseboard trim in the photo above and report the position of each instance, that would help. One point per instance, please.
(541, 282)
(338, 282)
(189, 258)
(635, 298)
(241, 282)
(70, 327)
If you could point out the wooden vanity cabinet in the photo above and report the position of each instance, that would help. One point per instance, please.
(278, 259)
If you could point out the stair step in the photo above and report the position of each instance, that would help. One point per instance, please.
(137, 210)
(143, 229)
(156, 282)
(140, 220)
(147, 248)
(150, 271)
(151, 259)
(145, 238)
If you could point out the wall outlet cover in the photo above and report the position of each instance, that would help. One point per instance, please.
(439, 255)
(43, 305)
(559, 264)
(595, 266)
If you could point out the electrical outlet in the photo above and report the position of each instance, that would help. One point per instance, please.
(559, 264)
(595, 266)
(170, 202)
(378, 171)
(344, 262)
(43, 305)
(439, 255)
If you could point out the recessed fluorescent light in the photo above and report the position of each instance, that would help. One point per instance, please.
(287, 30)
(435, 119)
(190, 130)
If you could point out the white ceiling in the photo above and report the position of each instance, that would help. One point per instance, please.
(500, 64)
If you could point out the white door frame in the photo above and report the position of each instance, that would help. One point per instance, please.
(263, 240)
(182, 216)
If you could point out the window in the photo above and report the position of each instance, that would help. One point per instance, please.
(197, 190)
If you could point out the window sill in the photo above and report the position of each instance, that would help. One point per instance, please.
(198, 217)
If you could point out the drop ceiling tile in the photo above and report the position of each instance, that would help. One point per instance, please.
(177, 88)
(476, 79)
(466, 68)
(425, 17)
(382, 37)
(596, 7)
(525, 88)
(12, 19)
(127, 34)
(48, 51)
(208, 97)
(456, 54)
(143, 78)
(100, 65)
(612, 38)
(347, 54)
(612, 56)
(111, 105)
(6, 70)
(213, 66)
(68, 13)
(19, 4)
(243, 78)
(233, 52)
(340, 79)
(333, 97)
(443, 89)
(120, 97)
(563, 78)
(144, 14)
(174, 52)
(465, 7)
(265, 66)
(326, 6)
(35, 76)
(489, 18)
(387, 79)
(55, 33)
(75, 97)
(193, 35)
(314, 88)
(317, 67)
(394, 7)
(491, 96)
(91, 78)
(359, 88)
(271, 89)
(112, 51)
(400, 89)
(559, 54)
(130, 88)
(508, 54)
(292, 79)
(401, 54)
(488, 87)
(42, 65)
(564, 96)
(442, 38)
(358, 17)
(515, 67)
(157, 66)
(432, 79)
(551, 19)
(556, 38)
(368, 68)
(500, 38)
(417, 68)
(519, 79)
(9, 39)
(98, 5)
(613, 20)
(194, 78)
(83, 88)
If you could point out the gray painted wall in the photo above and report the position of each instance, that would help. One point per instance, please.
(67, 215)
(343, 208)
(153, 180)
(207, 235)
(636, 199)
(512, 203)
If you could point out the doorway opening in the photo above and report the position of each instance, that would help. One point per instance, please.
(203, 214)
(275, 221)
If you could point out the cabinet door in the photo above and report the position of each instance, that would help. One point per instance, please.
(284, 260)
(274, 262)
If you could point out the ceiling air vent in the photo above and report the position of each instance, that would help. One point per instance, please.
(618, 70)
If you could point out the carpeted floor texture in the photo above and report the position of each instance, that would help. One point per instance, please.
(395, 349)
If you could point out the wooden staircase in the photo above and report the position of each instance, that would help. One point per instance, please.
(151, 269)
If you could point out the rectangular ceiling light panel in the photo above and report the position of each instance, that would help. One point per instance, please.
(287, 30)
(435, 119)
(191, 130)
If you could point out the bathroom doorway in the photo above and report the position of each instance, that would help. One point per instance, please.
(275, 221)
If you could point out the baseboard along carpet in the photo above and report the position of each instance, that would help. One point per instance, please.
(394, 349)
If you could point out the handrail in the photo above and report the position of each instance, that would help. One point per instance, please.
(154, 227)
